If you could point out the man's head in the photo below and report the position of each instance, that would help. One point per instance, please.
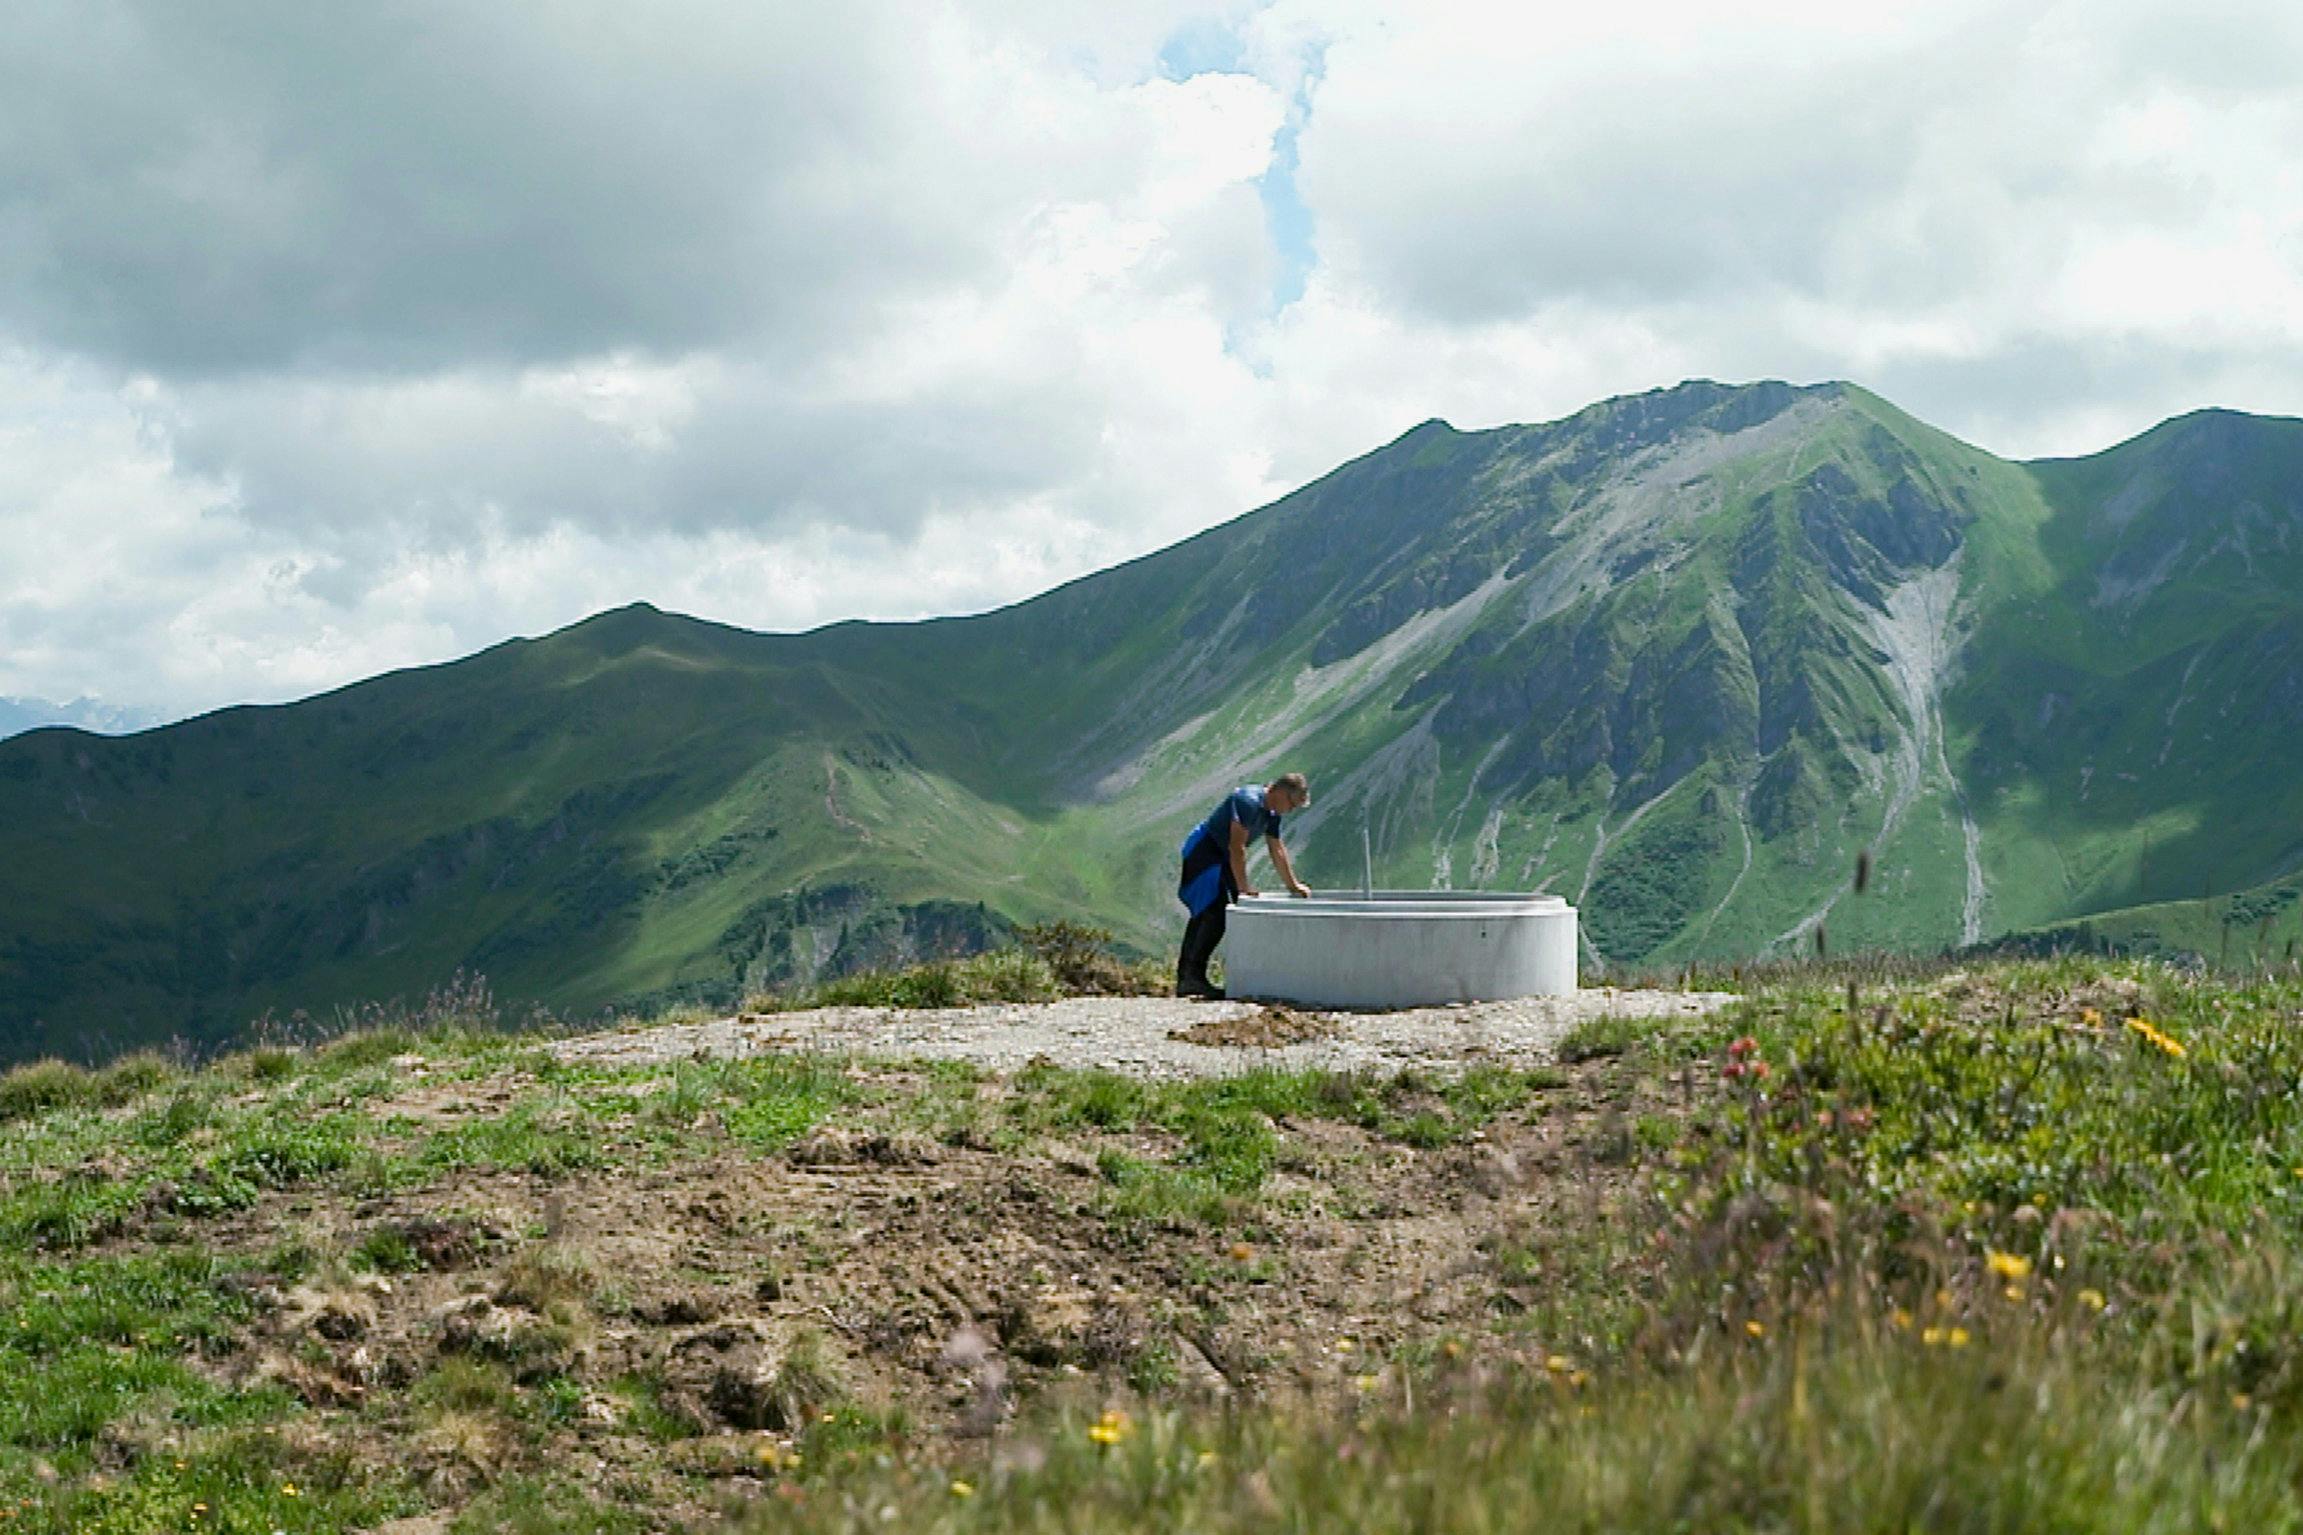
(1287, 793)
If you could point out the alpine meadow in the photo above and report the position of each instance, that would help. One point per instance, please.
(1680, 657)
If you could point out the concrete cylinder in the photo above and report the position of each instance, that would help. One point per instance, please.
(1400, 948)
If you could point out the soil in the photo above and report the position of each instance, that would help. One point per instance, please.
(1269, 1029)
(945, 1279)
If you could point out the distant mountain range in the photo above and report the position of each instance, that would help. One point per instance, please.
(18, 715)
(1679, 657)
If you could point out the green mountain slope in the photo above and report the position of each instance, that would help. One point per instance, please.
(1679, 657)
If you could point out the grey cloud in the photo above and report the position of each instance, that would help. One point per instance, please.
(2106, 387)
(1897, 176)
(457, 459)
(779, 462)
(2228, 49)
(349, 239)
(242, 185)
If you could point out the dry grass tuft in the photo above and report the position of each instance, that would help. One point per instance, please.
(547, 1274)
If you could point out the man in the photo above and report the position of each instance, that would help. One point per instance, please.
(1215, 869)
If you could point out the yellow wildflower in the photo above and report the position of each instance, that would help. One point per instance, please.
(2008, 1265)
(1958, 1338)
(2158, 1036)
(1756, 1328)
(1901, 1318)
(2092, 1299)
(962, 1489)
(1366, 1382)
(1110, 1429)
(1559, 1364)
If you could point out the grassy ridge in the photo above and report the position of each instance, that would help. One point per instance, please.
(2008, 1252)
(2009, 1247)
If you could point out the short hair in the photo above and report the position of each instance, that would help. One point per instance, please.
(1295, 784)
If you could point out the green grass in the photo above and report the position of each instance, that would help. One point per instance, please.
(190, 1155)
(92, 1347)
(1227, 1128)
(544, 1505)
(773, 1102)
(1005, 975)
(543, 1132)
(764, 1103)
(1885, 1434)
(45, 1085)
(245, 1482)
(2062, 1099)
(1043, 963)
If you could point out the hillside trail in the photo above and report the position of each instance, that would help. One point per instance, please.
(1153, 1037)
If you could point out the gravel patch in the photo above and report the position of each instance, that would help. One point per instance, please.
(1137, 1035)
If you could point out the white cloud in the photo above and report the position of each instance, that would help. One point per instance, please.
(1924, 197)
(346, 344)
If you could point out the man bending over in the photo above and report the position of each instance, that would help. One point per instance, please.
(1215, 869)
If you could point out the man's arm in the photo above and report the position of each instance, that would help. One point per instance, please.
(1286, 866)
(1239, 861)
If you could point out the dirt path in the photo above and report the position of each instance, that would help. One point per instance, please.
(1140, 1035)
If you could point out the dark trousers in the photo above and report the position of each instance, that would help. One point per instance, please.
(1200, 936)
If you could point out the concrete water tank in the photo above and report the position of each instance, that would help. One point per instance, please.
(1400, 948)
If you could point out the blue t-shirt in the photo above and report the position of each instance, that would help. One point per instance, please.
(1246, 807)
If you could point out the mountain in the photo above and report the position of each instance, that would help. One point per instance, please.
(18, 715)
(1680, 657)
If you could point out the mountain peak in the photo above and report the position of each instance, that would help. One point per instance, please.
(1430, 432)
(1627, 421)
(642, 626)
(2213, 430)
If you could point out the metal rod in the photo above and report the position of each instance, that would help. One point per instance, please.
(1367, 865)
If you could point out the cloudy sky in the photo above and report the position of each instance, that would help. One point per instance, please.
(340, 338)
